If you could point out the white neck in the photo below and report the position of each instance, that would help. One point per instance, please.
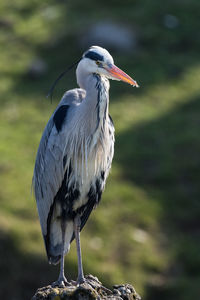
(90, 127)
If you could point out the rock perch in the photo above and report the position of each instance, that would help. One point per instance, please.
(91, 289)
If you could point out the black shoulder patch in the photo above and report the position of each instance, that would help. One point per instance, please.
(59, 116)
(94, 56)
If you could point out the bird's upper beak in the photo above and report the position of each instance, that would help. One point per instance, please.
(117, 73)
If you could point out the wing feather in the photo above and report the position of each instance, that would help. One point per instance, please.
(49, 170)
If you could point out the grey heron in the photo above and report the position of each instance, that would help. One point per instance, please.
(74, 157)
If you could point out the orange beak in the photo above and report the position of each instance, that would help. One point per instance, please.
(120, 75)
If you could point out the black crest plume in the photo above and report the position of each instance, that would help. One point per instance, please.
(51, 90)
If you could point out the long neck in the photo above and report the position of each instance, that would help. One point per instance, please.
(101, 101)
(89, 136)
(94, 109)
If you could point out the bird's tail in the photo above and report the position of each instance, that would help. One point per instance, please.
(53, 240)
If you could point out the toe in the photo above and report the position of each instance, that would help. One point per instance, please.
(61, 282)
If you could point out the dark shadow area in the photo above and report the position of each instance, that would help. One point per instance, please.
(22, 274)
(163, 157)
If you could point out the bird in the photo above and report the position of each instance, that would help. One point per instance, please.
(74, 157)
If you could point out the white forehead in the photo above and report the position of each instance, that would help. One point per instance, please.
(96, 51)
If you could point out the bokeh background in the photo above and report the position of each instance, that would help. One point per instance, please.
(146, 230)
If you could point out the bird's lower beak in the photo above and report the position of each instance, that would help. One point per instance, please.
(117, 73)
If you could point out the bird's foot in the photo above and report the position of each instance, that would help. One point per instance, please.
(61, 282)
(80, 280)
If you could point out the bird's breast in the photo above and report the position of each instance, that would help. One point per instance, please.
(86, 174)
(90, 162)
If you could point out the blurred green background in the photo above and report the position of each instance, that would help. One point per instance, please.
(146, 230)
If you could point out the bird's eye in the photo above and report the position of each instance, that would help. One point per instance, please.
(98, 63)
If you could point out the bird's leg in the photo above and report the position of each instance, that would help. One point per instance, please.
(77, 224)
(62, 281)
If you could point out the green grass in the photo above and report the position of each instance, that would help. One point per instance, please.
(146, 229)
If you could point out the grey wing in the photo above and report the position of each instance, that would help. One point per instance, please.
(47, 174)
(73, 97)
(49, 166)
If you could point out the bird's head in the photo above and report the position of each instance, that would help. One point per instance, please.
(99, 61)
(96, 60)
